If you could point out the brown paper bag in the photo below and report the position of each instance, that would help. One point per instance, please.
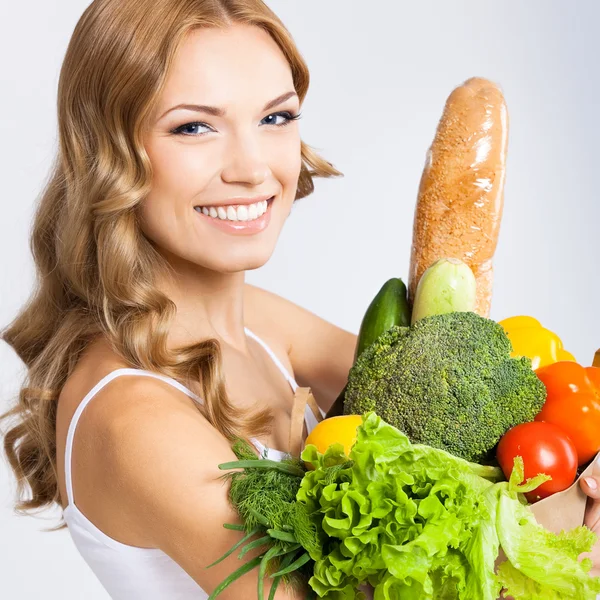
(302, 397)
(566, 509)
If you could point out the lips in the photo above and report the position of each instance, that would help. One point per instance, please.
(235, 212)
(245, 224)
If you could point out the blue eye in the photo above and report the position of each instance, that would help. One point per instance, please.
(184, 130)
(287, 118)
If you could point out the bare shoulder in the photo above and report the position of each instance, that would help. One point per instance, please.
(160, 462)
(123, 399)
(320, 352)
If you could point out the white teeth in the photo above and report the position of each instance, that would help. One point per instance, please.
(242, 212)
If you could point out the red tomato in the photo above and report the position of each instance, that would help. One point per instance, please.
(545, 448)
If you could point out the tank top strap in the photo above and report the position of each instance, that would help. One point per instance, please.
(141, 372)
(104, 381)
(273, 356)
(309, 418)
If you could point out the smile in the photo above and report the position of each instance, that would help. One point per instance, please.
(238, 219)
(240, 212)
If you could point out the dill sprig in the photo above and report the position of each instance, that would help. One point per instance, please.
(263, 492)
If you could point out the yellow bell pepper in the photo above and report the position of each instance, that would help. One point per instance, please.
(530, 339)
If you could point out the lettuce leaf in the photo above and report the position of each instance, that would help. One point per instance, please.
(404, 518)
(416, 522)
(541, 564)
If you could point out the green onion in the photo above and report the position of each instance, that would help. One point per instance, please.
(238, 573)
(235, 547)
(284, 563)
(263, 567)
(255, 544)
(281, 535)
(295, 565)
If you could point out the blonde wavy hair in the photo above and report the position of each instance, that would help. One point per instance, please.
(96, 271)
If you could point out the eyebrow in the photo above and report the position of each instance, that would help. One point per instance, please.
(218, 112)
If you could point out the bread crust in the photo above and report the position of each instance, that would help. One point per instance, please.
(461, 193)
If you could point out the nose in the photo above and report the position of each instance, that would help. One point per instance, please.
(245, 162)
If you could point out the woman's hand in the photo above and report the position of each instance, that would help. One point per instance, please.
(591, 486)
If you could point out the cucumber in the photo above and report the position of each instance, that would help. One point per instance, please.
(388, 308)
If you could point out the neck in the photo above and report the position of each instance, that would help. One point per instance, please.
(209, 304)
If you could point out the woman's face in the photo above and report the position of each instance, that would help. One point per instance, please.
(236, 158)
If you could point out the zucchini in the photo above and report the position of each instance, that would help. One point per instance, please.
(448, 285)
(388, 308)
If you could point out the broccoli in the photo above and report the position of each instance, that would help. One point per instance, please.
(448, 381)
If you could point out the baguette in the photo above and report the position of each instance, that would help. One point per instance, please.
(461, 193)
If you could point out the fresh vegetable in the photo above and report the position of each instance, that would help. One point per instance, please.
(448, 285)
(544, 448)
(447, 381)
(541, 564)
(341, 430)
(529, 338)
(388, 308)
(412, 521)
(408, 519)
(419, 523)
(573, 404)
(264, 495)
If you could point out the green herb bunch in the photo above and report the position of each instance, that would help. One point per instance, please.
(264, 494)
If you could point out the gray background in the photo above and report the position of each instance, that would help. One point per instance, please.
(381, 72)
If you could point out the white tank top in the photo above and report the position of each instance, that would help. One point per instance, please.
(128, 572)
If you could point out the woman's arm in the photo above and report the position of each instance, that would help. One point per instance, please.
(321, 353)
(162, 456)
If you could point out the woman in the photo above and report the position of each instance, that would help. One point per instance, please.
(179, 161)
(135, 274)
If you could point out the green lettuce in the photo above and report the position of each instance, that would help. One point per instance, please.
(541, 565)
(411, 520)
(419, 523)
